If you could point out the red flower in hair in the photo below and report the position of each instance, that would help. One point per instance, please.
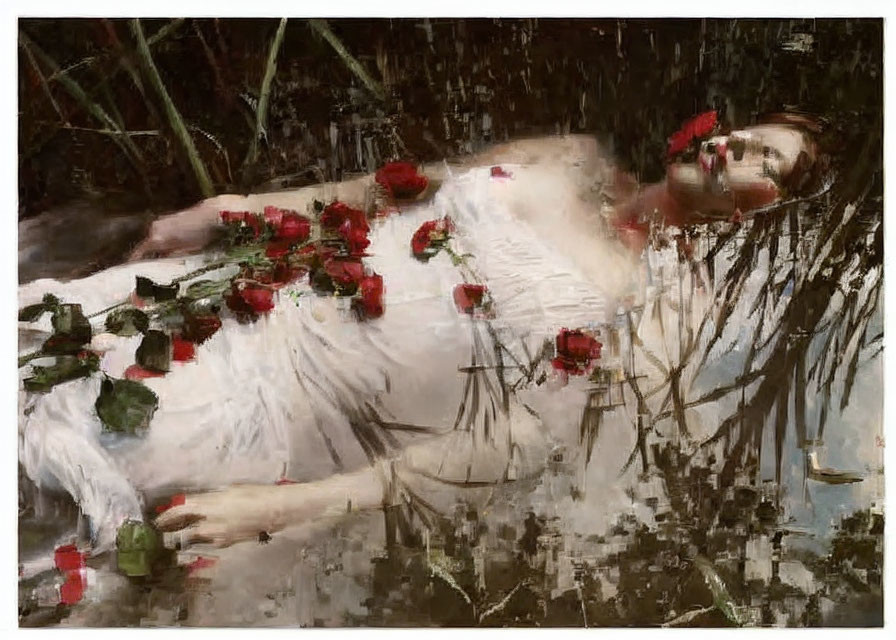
(372, 290)
(576, 351)
(697, 127)
(401, 180)
(469, 297)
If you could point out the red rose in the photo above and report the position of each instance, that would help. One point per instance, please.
(260, 299)
(372, 291)
(198, 329)
(316, 254)
(273, 216)
(336, 213)
(277, 248)
(228, 217)
(274, 276)
(697, 127)
(498, 172)
(467, 297)
(427, 240)
(344, 271)
(294, 227)
(250, 299)
(283, 273)
(237, 217)
(182, 350)
(253, 222)
(401, 180)
(576, 351)
(355, 237)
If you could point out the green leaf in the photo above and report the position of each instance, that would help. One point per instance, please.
(127, 322)
(33, 312)
(154, 352)
(71, 331)
(66, 368)
(138, 545)
(206, 289)
(165, 292)
(126, 406)
(146, 288)
(60, 344)
(70, 320)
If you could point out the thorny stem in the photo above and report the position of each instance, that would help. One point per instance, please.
(214, 266)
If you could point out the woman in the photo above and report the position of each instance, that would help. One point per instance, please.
(311, 395)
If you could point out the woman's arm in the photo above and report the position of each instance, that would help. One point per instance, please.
(241, 512)
(192, 230)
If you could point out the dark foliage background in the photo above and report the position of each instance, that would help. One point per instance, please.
(451, 86)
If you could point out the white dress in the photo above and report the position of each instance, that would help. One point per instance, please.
(308, 388)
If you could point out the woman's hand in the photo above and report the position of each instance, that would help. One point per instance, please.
(185, 232)
(243, 512)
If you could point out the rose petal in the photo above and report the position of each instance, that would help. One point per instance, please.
(136, 372)
(182, 350)
(68, 558)
(467, 297)
(372, 291)
(294, 227)
(177, 500)
(401, 179)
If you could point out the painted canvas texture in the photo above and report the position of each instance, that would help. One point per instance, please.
(450, 322)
